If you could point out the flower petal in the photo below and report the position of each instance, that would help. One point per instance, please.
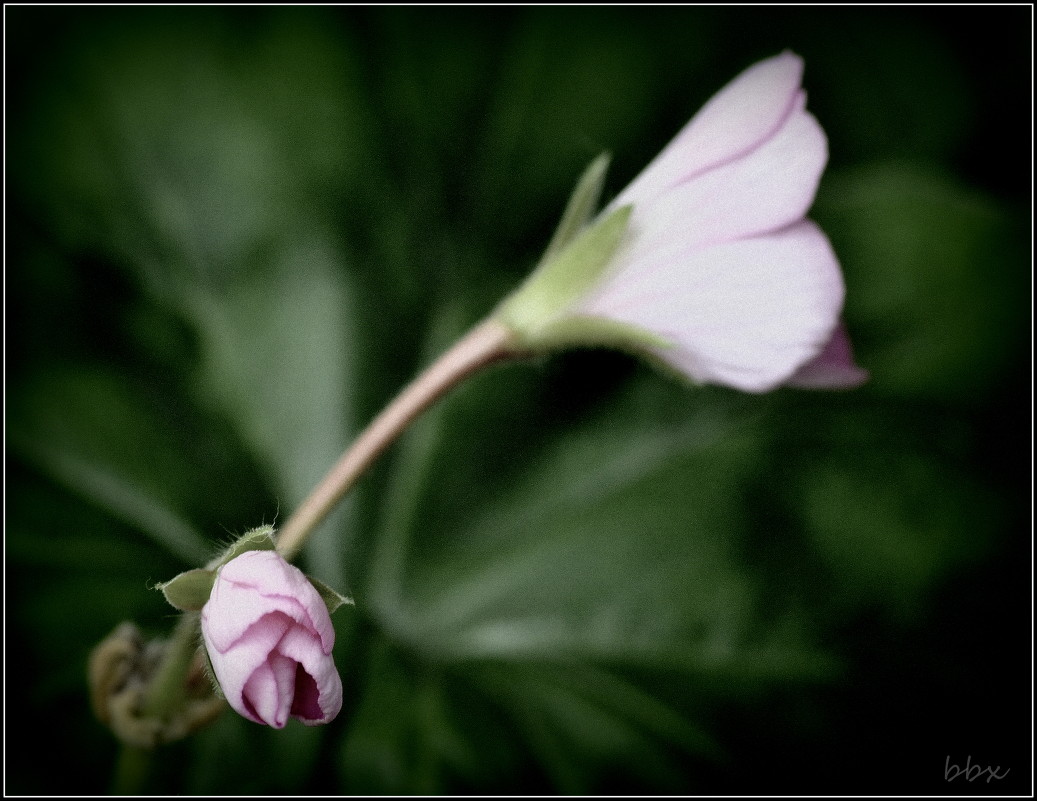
(235, 667)
(233, 609)
(306, 703)
(766, 190)
(745, 314)
(733, 122)
(832, 368)
(318, 687)
(257, 583)
(269, 692)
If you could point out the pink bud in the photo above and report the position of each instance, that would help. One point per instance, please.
(719, 259)
(269, 638)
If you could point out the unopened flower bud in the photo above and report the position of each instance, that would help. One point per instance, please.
(269, 636)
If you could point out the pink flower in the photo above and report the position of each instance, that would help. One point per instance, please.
(718, 260)
(269, 637)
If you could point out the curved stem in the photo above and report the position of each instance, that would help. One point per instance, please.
(488, 342)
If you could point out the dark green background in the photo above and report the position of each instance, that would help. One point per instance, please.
(233, 234)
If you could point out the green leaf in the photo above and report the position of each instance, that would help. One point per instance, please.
(892, 515)
(614, 727)
(116, 451)
(423, 731)
(277, 359)
(937, 280)
(190, 590)
(224, 216)
(612, 547)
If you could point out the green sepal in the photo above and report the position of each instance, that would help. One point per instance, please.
(577, 331)
(209, 672)
(581, 207)
(189, 591)
(332, 599)
(258, 539)
(540, 303)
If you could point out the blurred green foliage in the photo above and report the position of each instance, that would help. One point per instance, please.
(233, 234)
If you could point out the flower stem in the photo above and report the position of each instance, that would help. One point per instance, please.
(488, 342)
(132, 769)
(168, 688)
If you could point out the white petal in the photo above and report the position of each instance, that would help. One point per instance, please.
(744, 314)
(733, 122)
(766, 190)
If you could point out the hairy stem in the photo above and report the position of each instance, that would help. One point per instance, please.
(488, 342)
